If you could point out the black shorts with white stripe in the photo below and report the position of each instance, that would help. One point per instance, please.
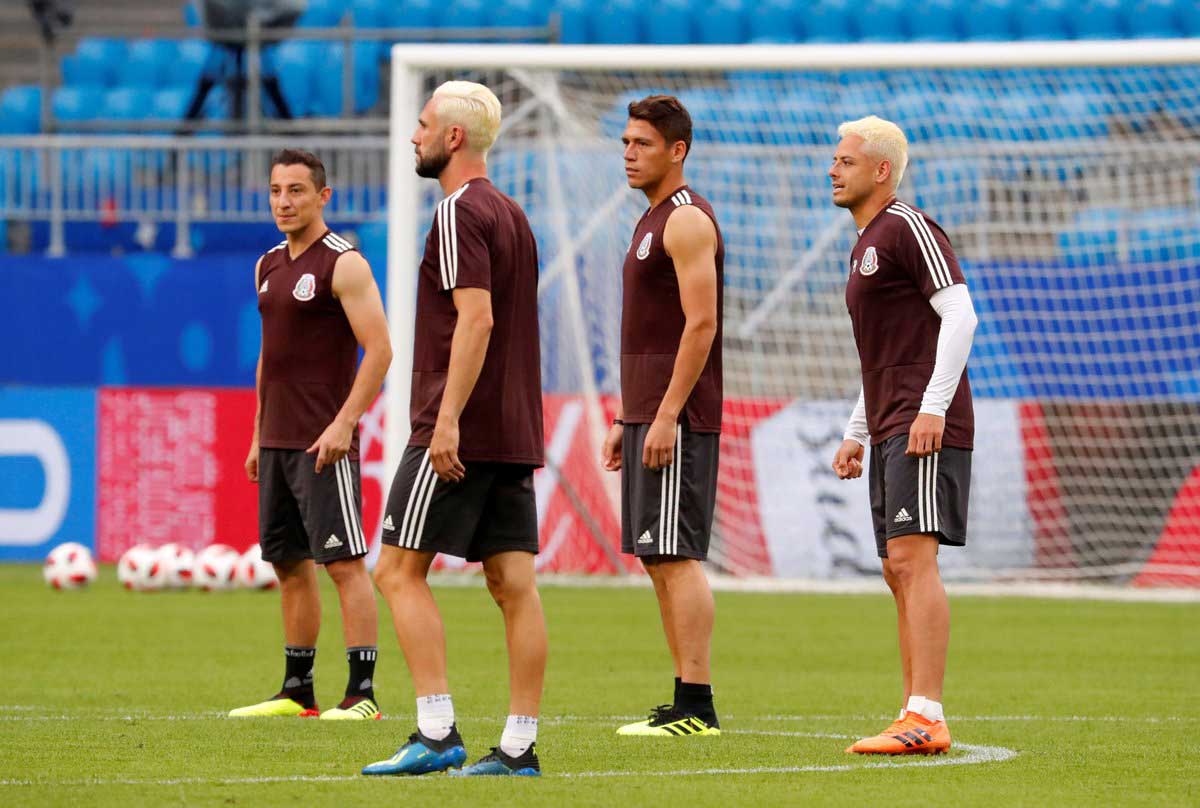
(669, 512)
(302, 514)
(491, 510)
(918, 494)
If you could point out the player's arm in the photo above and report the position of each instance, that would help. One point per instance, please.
(957, 331)
(610, 450)
(468, 348)
(252, 455)
(354, 287)
(847, 461)
(690, 239)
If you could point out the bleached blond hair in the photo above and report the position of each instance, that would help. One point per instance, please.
(881, 139)
(473, 107)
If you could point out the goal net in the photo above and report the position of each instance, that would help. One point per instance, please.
(1068, 179)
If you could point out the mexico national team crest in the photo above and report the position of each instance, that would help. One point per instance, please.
(644, 247)
(870, 262)
(306, 287)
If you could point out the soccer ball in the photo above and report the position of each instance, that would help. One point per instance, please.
(215, 567)
(140, 569)
(253, 572)
(69, 566)
(177, 562)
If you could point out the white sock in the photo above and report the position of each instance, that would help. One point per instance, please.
(435, 716)
(901, 716)
(520, 731)
(928, 709)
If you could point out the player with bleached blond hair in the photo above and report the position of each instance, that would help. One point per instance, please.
(913, 324)
(465, 482)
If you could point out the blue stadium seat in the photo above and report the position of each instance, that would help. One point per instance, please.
(20, 110)
(520, 14)
(989, 20)
(574, 21)
(723, 22)
(775, 21)
(617, 23)
(1188, 16)
(327, 93)
(1155, 18)
(1098, 19)
(128, 103)
(322, 14)
(934, 21)
(884, 21)
(830, 21)
(147, 62)
(1043, 19)
(101, 58)
(171, 102)
(464, 14)
(190, 56)
(669, 22)
(370, 13)
(191, 14)
(76, 103)
(295, 64)
(412, 14)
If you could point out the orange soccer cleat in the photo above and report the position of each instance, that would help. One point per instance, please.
(911, 735)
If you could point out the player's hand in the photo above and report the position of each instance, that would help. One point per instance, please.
(252, 462)
(847, 463)
(610, 452)
(925, 435)
(659, 450)
(443, 452)
(333, 445)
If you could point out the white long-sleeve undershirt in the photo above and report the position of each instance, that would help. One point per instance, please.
(953, 305)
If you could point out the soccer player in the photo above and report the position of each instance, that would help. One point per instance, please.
(665, 438)
(319, 305)
(913, 322)
(465, 482)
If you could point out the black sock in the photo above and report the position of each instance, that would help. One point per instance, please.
(298, 674)
(360, 685)
(697, 700)
(675, 698)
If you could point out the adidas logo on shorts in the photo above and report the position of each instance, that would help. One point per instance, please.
(902, 516)
(645, 538)
(332, 542)
(387, 523)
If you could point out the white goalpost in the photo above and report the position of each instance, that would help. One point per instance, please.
(1067, 175)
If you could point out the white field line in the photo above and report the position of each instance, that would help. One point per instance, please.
(974, 755)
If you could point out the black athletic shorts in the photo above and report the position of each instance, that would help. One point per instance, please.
(302, 514)
(491, 510)
(918, 494)
(669, 512)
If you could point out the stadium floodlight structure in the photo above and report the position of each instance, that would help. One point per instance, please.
(1067, 175)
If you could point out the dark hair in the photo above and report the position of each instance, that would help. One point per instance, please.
(299, 157)
(667, 115)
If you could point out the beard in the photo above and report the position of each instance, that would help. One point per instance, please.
(430, 166)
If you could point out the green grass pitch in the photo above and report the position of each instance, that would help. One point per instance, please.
(114, 698)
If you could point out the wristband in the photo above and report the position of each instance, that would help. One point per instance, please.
(618, 422)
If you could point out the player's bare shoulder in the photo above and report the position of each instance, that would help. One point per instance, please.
(689, 229)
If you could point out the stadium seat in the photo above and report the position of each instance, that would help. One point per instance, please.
(989, 20)
(464, 14)
(617, 23)
(327, 98)
(411, 14)
(1154, 19)
(723, 22)
(127, 103)
(1042, 19)
(191, 14)
(322, 14)
(185, 68)
(147, 62)
(295, 64)
(76, 103)
(520, 14)
(100, 59)
(169, 103)
(830, 21)
(1188, 17)
(669, 22)
(934, 21)
(370, 13)
(1098, 19)
(884, 21)
(573, 21)
(20, 110)
(775, 21)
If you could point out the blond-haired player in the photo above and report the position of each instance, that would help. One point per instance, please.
(913, 324)
(465, 482)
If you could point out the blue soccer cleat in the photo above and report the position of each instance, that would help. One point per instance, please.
(498, 764)
(423, 755)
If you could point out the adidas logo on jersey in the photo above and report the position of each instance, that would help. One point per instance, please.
(332, 542)
(387, 523)
(263, 289)
(645, 538)
(902, 516)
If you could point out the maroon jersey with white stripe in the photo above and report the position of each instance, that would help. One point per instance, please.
(652, 323)
(481, 239)
(901, 259)
(309, 351)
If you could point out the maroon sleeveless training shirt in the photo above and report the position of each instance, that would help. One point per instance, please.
(309, 351)
(652, 322)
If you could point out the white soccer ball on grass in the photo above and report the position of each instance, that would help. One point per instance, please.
(253, 572)
(215, 567)
(140, 569)
(69, 566)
